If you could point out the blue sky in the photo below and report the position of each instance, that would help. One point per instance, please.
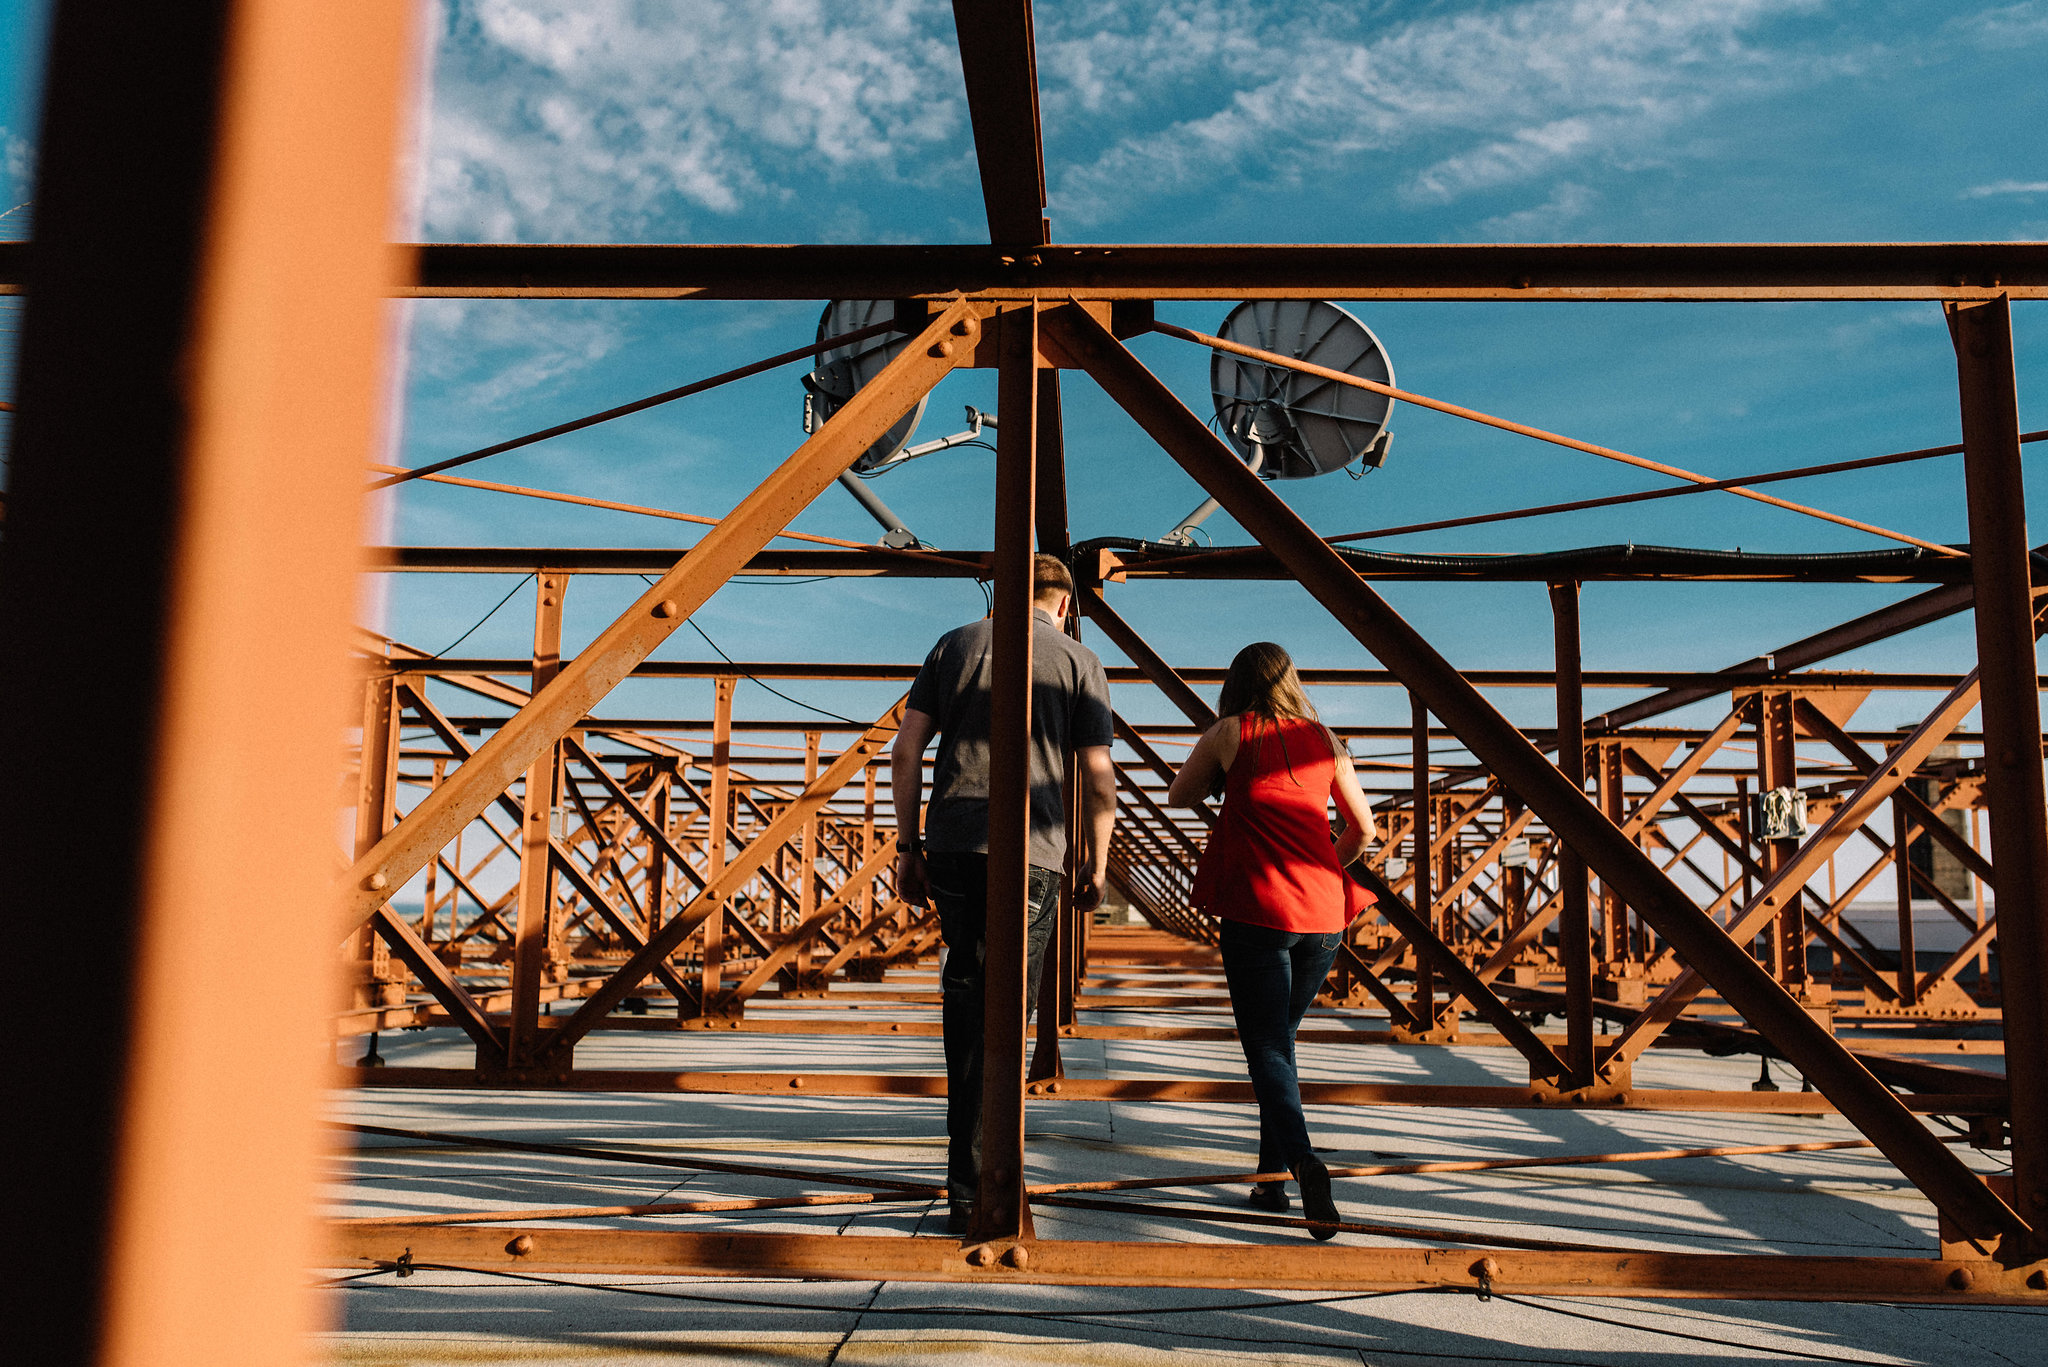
(1221, 121)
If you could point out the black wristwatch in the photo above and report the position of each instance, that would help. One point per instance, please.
(909, 844)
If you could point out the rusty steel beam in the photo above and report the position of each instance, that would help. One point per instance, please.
(1574, 922)
(1000, 64)
(1775, 666)
(732, 875)
(1974, 1092)
(1459, 981)
(1316, 1267)
(1000, 1207)
(2013, 781)
(1150, 663)
(201, 375)
(1501, 747)
(1623, 563)
(1633, 271)
(658, 613)
(1784, 885)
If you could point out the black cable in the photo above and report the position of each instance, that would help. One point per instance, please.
(1092, 1318)
(926, 1311)
(1680, 1334)
(776, 691)
(479, 621)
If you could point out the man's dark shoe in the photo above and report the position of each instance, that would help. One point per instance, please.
(1271, 1196)
(1316, 1203)
(958, 1214)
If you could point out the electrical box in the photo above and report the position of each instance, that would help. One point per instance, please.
(1781, 814)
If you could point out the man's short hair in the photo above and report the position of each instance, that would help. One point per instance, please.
(1049, 576)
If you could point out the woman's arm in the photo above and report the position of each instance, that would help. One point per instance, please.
(1206, 764)
(1351, 804)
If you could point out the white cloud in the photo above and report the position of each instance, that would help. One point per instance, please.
(2007, 25)
(2007, 187)
(1487, 99)
(17, 164)
(486, 352)
(559, 120)
(1539, 222)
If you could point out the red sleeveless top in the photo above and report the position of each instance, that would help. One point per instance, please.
(1271, 860)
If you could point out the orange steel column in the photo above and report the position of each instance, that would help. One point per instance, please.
(376, 800)
(1574, 918)
(1777, 761)
(531, 937)
(1000, 1209)
(658, 808)
(2013, 781)
(720, 831)
(199, 385)
(807, 867)
(1420, 893)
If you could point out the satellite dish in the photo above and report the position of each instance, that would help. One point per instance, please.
(844, 369)
(1290, 425)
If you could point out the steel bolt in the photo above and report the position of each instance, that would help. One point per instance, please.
(1961, 1279)
(965, 327)
(796, 1082)
(1486, 1267)
(942, 349)
(665, 608)
(520, 1246)
(1017, 1256)
(1053, 1087)
(376, 882)
(981, 1255)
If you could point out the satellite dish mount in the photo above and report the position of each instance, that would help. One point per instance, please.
(1286, 423)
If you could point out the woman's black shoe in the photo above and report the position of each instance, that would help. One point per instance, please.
(1316, 1203)
(1271, 1196)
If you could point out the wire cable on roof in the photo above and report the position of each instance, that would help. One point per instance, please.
(479, 621)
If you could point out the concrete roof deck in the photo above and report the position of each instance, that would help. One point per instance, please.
(1845, 1202)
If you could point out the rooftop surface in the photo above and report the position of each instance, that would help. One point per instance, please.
(1844, 1202)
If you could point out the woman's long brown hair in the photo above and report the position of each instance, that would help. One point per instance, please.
(1262, 680)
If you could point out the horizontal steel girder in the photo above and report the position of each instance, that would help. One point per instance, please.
(1633, 271)
(1328, 1267)
(1595, 563)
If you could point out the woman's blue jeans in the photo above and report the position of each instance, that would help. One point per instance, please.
(1274, 975)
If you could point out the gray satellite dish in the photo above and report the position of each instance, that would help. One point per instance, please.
(843, 370)
(1287, 424)
(1296, 425)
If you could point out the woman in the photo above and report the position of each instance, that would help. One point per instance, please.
(1276, 878)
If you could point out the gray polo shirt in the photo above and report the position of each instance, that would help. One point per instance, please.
(1069, 711)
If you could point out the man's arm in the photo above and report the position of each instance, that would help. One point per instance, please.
(1098, 817)
(906, 790)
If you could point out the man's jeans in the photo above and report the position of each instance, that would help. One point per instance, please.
(1273, 976)
(959, 889)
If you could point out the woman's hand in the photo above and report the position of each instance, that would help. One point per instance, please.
(1358, 824)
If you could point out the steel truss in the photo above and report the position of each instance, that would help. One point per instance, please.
(640, 875)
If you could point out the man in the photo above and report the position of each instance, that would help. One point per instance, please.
(948, 858)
